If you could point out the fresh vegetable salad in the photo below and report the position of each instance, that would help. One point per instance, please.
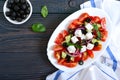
(78, 42)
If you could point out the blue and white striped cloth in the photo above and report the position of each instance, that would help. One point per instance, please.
(107, 67)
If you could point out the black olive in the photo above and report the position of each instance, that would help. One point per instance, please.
(68, 58)
(21, 12)
(10, 1)
(18, 14)
(23, 16)
(13, 18)
(83, 31)
(83, 42)
(22, 1)
(8, 14)
(27, 11)
(16, 1)
(78, 43)
(9, 5)
(23, 7)
(83, 25)
(19, 19)
(13, 14)
(27, 5)
(81, 62)
(88, 20)
(96, 43)
(64, 44)
(71, 31)
(16, 8)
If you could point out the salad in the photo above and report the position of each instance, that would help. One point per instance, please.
(78, 42)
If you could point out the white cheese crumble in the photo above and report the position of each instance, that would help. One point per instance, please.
(89, 27)
(83, 49)
(90, 46)
(78, 33)
(89, 35)
(83, 37)
(71, 49)
(74, 39)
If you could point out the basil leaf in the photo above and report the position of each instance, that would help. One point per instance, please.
(76, 45)
(38, 27)
(95, 27)
(70, 44)
(44, 11)
(98, 32)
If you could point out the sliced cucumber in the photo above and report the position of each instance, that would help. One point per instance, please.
(67, 38)
(94, 40)
(98, 25)
(64, 55)
(72, 58)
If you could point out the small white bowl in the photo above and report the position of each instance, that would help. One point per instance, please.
(5, 9)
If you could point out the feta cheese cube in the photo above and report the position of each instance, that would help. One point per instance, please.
(83, 49)
(89, 27)
(90, 46)
(78, 33)
(74, 39)
(83, 37)
(89, 35)
(71, 49)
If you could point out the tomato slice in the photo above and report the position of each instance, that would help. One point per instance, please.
(97, 48)
(104, 35)
(61, 61)
(83, 16)
(61, 36)
(76, 22)
(103, 23)
(57, 47)
(85, 56)
(70, 64)
(64, 33)
(96, 19)
(59, 39)
(72, 26)
(90, 53)
(77, 59)
(57, 55)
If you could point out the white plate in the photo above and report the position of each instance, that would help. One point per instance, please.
(64, 24)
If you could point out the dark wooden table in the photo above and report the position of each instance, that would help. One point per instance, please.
(23, 52)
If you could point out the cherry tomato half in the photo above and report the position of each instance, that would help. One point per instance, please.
(70, 64)
(83, 16)
(90, 53)
(97, 48)
(57, 54)
(103, 23)
(96, 19)
(104, 35)
(85, 56)
(57, 47)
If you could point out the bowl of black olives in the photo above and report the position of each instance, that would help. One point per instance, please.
(17, 11)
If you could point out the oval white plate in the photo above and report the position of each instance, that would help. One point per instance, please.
(64, 24)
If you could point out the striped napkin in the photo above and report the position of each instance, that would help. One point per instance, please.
(107, 67)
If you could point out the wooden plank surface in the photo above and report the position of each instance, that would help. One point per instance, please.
(54, 6)
(23, 52)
